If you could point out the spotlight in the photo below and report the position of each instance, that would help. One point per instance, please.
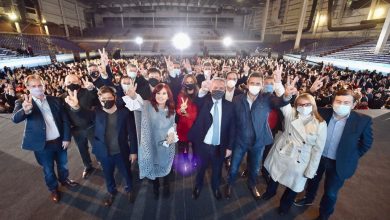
(13, 16)
(227, 41)
(323, 19)
(379, 13)
(181, 41)
(139, 40)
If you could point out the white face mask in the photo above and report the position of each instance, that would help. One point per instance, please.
(125, 87)
(305, 111)
(231, 83)
(132, 74)
(341, 110)
(37, 92)
(254, 90)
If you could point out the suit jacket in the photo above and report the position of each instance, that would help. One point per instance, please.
(126, 134)
(204, 121)
(34, 138)
(355, 141)
(259, 112)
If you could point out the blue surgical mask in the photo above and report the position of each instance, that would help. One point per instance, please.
(269, 88)
(37, 92)
(174, 73)
(132, 74)
(341, 110)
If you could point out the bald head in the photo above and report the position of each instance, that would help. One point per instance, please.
(72, 79)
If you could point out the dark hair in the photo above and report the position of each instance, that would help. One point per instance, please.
(196, 89)
(170, 103)
(231, 72)
(106, 89)
(346, 92)
(153, 70)
(92, 64)
(255, 74)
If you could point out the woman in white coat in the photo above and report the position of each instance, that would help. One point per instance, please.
(296, 154)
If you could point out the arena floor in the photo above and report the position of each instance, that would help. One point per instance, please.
(24, 195)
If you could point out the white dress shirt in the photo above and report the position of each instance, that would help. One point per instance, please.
(209, 135)
(229, 95)
(52, 132)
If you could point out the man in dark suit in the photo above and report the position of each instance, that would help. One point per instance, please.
(115, 141)
(349, 138)
(212, 133)
(47, 133)
(252, 129)
(82, 120)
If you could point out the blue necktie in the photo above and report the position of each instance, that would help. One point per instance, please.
(215, 137)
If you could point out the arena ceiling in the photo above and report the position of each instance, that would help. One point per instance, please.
(187, 4)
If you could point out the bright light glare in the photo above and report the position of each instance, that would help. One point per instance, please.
(181, 41)
(227, 41)
(323, 19)
(139, 40)
(379, 12)
(12, 16)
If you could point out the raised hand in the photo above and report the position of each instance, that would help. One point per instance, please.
(183, 106)
(278, 73)
(318, 83)
(169, 63)
(290, 88)
(27, 103)
(206, 85)
(246, 67)
(87, 84)
(72, 99)
(187, 65)
(103, 57)
(131, 92)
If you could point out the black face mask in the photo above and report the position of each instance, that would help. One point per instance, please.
(108, 104)
(94, 74)
(190, 86)
(153, 82)
(73, 87)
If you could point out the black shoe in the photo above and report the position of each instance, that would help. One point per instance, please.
(69, 183)
(228, 191)
(87, 172)
(217, 194)
(109, 199)
(130, 196)
(267, 196)
(166, 191)
(196, 193)
(303, 202)
(281, 212)
(244, 173)
(321, 217)
(227, 164)
(255, 193)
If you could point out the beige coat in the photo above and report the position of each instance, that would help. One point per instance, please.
(296, 154)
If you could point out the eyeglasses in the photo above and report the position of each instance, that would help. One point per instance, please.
(304, 105)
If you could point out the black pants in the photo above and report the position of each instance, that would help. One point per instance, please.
(288, 196)
(184, 147)
(81, 137)
(156, 182)
(213, 155)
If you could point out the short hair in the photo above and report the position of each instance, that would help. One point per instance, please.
(132, 65)
(154, 70)
(218, 79)
(231, 72)
(346, 92)
(92, 64)
(256, 75)
(269, 77)
(107, 89)
(207, 64)
(33, 76)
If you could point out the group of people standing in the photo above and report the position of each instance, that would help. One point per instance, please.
(141, 118)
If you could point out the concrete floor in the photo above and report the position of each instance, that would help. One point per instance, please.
(24, 195)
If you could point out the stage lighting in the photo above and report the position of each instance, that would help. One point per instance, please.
(13, 16)
(379, 13)
(323, 19)
(181, 41)
(139, 40)
(227, 41)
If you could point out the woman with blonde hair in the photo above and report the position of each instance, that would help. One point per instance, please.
(296, 154)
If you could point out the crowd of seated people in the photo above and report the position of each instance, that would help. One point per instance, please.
(156, 102)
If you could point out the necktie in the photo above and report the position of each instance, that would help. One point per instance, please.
(215, 137)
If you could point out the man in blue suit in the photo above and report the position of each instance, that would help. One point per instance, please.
(115, 141)
(47, 133)
(212, 133)
(252, 129)
(349, 138)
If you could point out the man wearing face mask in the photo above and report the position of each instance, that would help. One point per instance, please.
(212, 133)
(252, 130)
(82, 117)
(207, 68)
(47, 133)
(349, 138)
(113, 144)
(231, 90)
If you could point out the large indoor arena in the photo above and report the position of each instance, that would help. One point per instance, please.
(194, 109)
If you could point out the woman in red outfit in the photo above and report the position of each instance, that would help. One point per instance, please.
(186, 111)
